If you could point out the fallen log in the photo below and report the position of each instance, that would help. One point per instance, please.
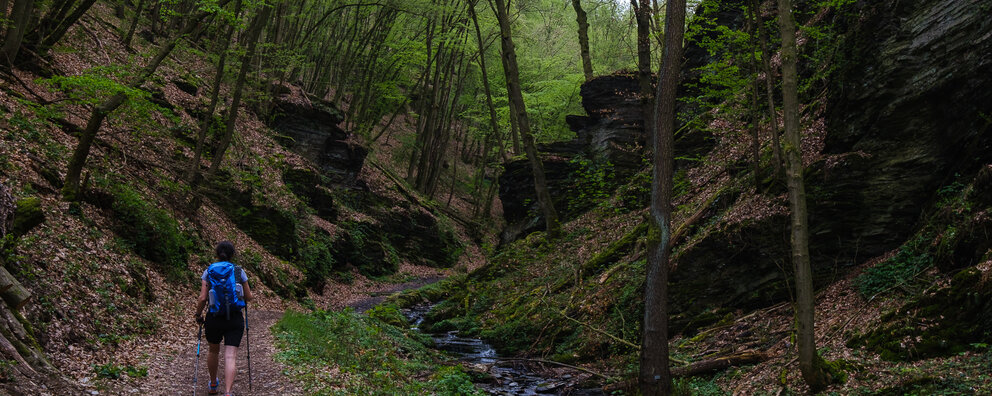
(719, 363)
(12, 291)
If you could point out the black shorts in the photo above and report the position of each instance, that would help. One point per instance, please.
(219, 327)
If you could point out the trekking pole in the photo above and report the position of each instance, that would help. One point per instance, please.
(248, 347)
(196, 369)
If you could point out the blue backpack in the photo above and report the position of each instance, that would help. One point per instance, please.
(224, 287)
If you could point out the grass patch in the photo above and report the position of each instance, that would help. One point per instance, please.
(345, 353)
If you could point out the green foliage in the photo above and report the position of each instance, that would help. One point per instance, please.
(114, 371)
(389, 314)
(95, 85)
(373, 357)
(696, 386)
(591, 184)
(316, 260)
(820, 57)
(150, 231)
(451, 380)
(912, 259)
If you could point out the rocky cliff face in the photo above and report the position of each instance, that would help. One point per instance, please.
(611, 132)
(310, 128)
(915, 97)
(907, 114)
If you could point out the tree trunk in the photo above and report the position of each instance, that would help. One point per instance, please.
(63, 26)
(223, 42)
(493, 119)
(808, 357)
(755, 111)
(70, 190)
(19, 16)
(769, 87)
(655, 375)
(232, 115)
(134, 24)
(719, 363)
(580, 17)
(643, 15)
(517, 99)
(14, 294)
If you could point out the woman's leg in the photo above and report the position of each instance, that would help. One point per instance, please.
(230, 366)
(212, 360)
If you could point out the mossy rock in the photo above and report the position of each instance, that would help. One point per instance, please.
(272, 228)
(27, 216)
(390, 314)
(312, 188)
(939, 324)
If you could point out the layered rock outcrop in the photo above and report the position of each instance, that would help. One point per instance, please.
(907, 114)
(913, 100)
(611, 132)
(309, 126)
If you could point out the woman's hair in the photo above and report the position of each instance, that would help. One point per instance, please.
(225, 250)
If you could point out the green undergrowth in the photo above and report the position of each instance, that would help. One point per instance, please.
(150, 231)
(534, 298)
(954, 235)
(346, 353)
(948, 311)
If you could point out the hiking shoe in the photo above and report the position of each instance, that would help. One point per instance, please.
(213, 386)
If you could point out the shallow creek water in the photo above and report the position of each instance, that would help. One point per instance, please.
(508, 377)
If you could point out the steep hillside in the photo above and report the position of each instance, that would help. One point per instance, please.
(316, 213)
(896, 143)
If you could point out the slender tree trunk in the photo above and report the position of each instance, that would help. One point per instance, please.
(810, 362)
(223, 42)
(493, 119)
(643, 15)
(70, 190)
(63, 26)
(232, 116)
(580, 17)
(516, 97)
(134, 23)
(755, 110)
(655, 375)
(19, 16)
(769, 87)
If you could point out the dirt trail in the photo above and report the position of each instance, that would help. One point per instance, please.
(172, 372)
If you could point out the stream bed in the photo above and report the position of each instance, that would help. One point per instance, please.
(506, 376)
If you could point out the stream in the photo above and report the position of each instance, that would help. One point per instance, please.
(506, 377)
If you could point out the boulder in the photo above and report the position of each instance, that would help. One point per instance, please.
(27, 216)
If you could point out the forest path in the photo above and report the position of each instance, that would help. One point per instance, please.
(171, 372)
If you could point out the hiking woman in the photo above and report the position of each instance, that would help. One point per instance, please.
(224, 321)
